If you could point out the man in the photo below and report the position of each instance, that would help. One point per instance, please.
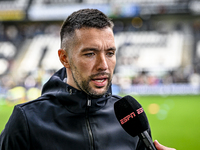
(75, 111)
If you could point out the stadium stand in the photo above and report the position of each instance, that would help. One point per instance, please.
(13, 4)
(150, 51)
(40, 53)
(7, 53)
(157, 41)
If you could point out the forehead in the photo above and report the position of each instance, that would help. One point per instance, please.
(92, 36)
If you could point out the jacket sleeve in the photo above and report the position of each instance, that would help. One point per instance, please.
(15, 136)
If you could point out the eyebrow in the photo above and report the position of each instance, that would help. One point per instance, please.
(95, 49)
(112, 48)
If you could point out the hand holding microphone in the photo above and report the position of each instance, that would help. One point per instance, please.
(133, 119)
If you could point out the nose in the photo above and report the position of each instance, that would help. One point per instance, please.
(102, 63)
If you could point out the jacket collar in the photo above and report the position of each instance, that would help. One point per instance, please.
(74, 100)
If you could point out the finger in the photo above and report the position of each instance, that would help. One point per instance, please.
(162, 147)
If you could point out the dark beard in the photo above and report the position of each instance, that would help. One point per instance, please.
(84, 86)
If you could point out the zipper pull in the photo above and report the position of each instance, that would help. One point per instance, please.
(89, 102)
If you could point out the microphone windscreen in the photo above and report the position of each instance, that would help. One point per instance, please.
(131, 115)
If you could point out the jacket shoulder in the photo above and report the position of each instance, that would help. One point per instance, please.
(33, 102)
(16, 128)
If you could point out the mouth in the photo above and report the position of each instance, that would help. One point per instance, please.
(100, 81)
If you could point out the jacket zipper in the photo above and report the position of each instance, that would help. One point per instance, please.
(91, 139)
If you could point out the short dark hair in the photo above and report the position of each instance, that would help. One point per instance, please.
(88, 18)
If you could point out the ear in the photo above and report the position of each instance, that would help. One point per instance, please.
(64, 59)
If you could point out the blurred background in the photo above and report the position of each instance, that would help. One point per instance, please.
(158, 58)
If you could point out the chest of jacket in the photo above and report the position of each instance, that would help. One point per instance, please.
(57, 128)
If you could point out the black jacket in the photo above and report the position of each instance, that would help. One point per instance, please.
(64, 118)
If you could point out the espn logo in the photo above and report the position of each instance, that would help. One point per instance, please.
(131, 115)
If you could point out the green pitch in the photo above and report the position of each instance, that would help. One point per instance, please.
(5, 112)
(174, 120)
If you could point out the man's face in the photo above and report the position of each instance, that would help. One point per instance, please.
(92, 60)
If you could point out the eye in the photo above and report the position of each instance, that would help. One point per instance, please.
(110, 54)
(89, 54)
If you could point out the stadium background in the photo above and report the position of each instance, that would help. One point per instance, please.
(158, 58)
